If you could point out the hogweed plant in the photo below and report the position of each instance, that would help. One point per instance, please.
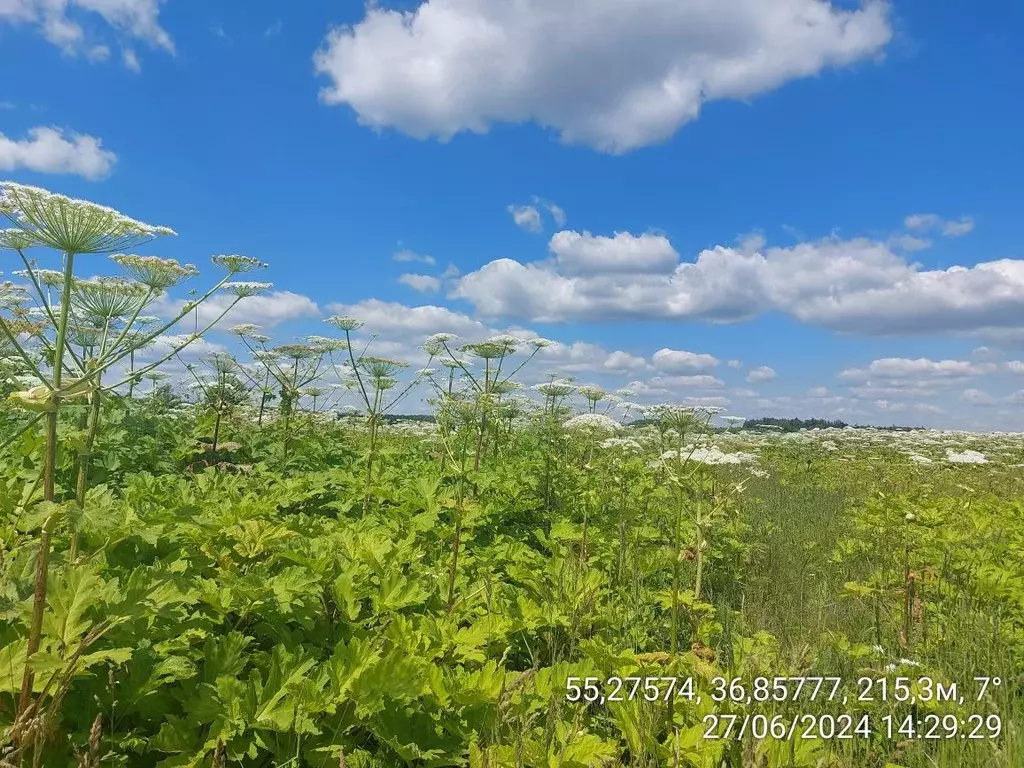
(488, 387)
(85, 327)
(556, 392)
(679, 422)
(591, 428)
(293, 367)
(375, 377)
(220, 393)
(593, 394)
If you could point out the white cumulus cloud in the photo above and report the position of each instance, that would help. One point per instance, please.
(585, 253)
(856, 286)
(920, 368)
(421, 283)
(612, 75)
(624, 361)
(266, 310)
(681, 361)
(49, 150)
(760, 374)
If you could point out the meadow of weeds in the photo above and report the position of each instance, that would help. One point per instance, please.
(232, 573)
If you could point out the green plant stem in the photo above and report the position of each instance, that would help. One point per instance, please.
(220, 405)
(372, 452)
(84, 458)
(49, 482)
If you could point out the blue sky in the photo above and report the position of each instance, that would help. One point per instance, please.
(795, 137)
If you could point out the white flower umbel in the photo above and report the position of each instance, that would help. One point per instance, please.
(966, 457)
(436, 344)
(622, 444)
(237, 264)
(156, 272)
(344, 323)
(244, 290)
(326, 344)
(72, 226)
(51, 278)
(555, 388)
(15, 240)
(714, 455)
(592, 422)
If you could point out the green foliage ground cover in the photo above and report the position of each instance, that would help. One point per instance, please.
(261, 618)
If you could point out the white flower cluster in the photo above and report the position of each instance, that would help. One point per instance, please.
(557, 388)
(622, 444)
(73, 226)
(235, 264)
(710, 455)
(344, 322)
(966, 457)
(155, 272)
(592, 422)
(244, 290)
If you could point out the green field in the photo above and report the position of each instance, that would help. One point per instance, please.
(228, 574)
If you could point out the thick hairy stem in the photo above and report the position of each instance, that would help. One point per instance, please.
(220, 406)
(38, 606)
(84, 458)
(49, 482)
(480, 440)
(483, 417)
(369, 462)
(216, 428)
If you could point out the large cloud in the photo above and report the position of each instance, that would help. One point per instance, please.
(613, 75)
(682, 361)
(266, 310)
(48, 150)
(921, 368)
(899, 378)
(585, 253)
(394, 320)
(857, 285)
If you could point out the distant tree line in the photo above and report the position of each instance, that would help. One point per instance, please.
(795, 425)
(393, 417)
(783, 425)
